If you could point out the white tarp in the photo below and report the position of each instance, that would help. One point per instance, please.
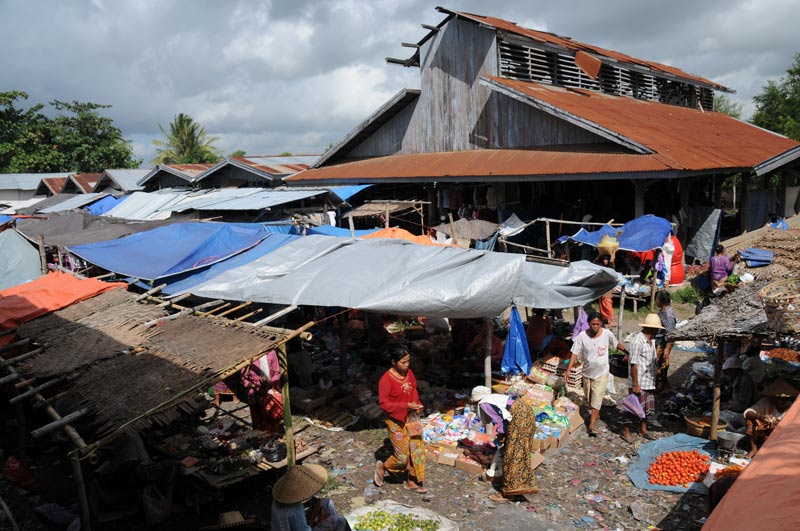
(395, 276)
(19, 260)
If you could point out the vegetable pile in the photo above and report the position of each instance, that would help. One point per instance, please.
(381, 520)
(785, 354)
(733, 470)
(678, 468)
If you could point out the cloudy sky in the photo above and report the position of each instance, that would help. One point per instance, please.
(295, 75)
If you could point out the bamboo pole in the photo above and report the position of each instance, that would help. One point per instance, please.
(17, 344)
(276, 315)
(231, 310)
(251, 314)
(452, 228)
(80, 485)
(488, 330)
(42, 254)
(149, 292)
(47, 428)
(352, 228)
(712, 435)
(35, 390)
(547, 233)
(21, 357)
(287, 409)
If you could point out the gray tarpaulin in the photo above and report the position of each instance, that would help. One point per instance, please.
(74, 228)
(19, 261)
(394, 276)
(702, 244)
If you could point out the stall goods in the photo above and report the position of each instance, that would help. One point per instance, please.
(678, 468)
(383, 521)
(785, 354)
(732, 470)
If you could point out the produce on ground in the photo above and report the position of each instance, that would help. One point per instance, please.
(785, 354)
(383, 521)
(732, 470)
(678, 468)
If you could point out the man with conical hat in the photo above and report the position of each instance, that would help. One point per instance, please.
(764, 415)
(300, 484)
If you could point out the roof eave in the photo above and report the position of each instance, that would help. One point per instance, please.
(778, 161)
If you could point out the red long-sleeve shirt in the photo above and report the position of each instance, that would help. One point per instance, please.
(394, 394)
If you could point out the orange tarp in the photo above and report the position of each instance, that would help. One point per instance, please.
(402, 234)
(46, 294)
(765, 496)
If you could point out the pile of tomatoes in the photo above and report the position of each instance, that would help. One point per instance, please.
(678, 468)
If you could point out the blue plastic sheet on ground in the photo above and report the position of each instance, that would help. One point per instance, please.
(183, 283)
(646, 456)
(171, 250)
(641, 234)
(754, 257)
(516, 356)
(99, 208)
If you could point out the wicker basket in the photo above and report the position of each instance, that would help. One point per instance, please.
(693, 426)
(782, 305)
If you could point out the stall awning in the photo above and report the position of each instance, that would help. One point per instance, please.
(405, 278)
(644, 233)
(19, 261)
(171, 250)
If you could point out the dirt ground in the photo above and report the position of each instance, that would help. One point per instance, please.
(582, 485)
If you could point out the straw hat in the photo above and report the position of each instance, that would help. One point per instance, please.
(651, 321)
(732, 363)
(780, 389)
(300, 483)
(479, 392)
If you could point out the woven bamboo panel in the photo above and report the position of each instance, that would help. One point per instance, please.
(86, 332)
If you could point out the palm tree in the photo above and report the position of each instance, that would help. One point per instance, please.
(186, 142)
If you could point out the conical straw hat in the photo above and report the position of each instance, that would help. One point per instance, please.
(300, 483)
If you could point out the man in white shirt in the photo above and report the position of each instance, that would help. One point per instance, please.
(592, 347)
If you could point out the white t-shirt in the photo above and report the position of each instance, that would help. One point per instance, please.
(593, 352)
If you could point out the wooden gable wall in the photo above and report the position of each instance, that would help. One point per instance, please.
(455, 112)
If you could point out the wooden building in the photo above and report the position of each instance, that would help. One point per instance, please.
(542, 119)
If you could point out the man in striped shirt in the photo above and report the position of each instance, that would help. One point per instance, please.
(643, 367)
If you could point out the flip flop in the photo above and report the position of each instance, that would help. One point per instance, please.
(377, 478)
(498, 498)
(627, 439)
(649, 436)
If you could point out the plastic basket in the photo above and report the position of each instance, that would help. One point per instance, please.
(694, 427)
(782, 305)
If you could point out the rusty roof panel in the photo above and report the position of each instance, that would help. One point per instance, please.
(482, 163)
(190, 169)
(55, 184)
(85, 181)
(576, 46)
(687, 138)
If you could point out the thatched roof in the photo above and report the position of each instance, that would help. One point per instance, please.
(785, 244)
(736, 315)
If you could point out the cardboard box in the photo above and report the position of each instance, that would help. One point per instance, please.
(536, 460)
(449, 456)
(541, 396)
(468, 465)
(575, 421)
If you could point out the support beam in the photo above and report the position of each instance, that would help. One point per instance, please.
(716, 183)
(35, 390)
(16, 344)
(60, 423)
(276, 315)
(488, 332)
(21, 357)
(712, 435)
(639, 191)
(150, 292)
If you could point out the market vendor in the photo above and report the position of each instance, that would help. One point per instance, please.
(764, 415)
(493, 408)
(643, 367)
(742, 393)
(399, 399)
(720, 267)
(518, 472)
(592, 347)
(300, 484)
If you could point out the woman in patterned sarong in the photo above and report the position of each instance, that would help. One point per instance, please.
(518, 476)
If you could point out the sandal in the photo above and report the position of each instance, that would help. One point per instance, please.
(377, 478)
(628, 439)
(498, 498)
(649, 436)
(419, 489)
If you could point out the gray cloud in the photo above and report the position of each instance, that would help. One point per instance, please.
(295, 76)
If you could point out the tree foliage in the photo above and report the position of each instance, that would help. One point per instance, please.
(725, 105)
(77, 139)
(238, 153)
(778, 105)
(186, 142)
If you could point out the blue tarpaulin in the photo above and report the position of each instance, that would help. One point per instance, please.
(754, 257)
(104, 205)
(646, 456)
(5, 219)
(186, 281)
(171, 250)
(641, 234)
(330, 230)
(346, 192)
(516, 356)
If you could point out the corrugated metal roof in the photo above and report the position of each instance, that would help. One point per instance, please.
(54, 184)
(192, 170)
(571, 44)
(85, 182)
(13, 205)
(258, 200)
(686, 138)
(143, 206)
(25, 181)
(74, 202)
(279, 165)
(125, 180)
(480, 164)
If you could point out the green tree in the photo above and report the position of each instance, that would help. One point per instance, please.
(77, 139)
(186, 142)
(725, 105)
(778, 105)
(238, 153)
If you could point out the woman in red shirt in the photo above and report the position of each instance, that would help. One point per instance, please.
(397, 395)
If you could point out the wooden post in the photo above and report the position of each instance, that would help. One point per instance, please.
(712, 435)
(352, 228)
(487, 351)
(42, 255)
(621, 310)
(386, 225)
(547, 232)
(342, 347)
(287, 410)
(654, 284)
(452, 228)
(80, 485)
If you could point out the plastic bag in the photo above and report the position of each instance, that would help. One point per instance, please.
(632, 405)
(413, 424)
